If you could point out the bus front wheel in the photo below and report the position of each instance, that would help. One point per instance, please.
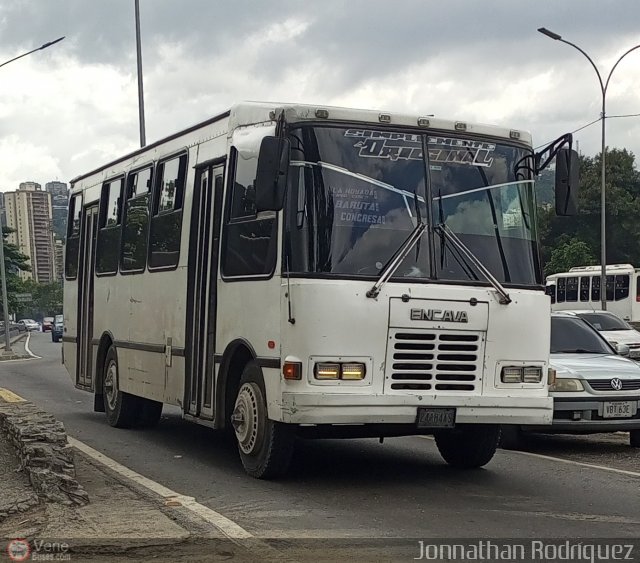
(468, 446)
(121, 408)
(265, 446)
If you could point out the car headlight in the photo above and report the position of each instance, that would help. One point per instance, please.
(566, 385)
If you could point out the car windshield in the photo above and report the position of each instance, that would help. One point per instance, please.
(571, 335)
(604, 321)
(356, 194)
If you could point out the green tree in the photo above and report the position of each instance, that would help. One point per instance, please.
(623, 210)
(14, 261)
(568, 253)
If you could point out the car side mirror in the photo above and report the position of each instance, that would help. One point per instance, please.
(567, 182)
(271, 173)
(622, 350)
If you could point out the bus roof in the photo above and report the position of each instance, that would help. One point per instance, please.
(251, 113)
(590, 270)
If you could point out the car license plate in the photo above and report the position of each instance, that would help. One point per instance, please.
(436, 418)
(618, 409)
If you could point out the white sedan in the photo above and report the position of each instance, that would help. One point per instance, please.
(596, 389)
(613, 328)
(29, 324)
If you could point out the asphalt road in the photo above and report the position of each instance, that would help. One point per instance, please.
(359, 488)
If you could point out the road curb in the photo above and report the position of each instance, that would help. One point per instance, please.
(44, 453)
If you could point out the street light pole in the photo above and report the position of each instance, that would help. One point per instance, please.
(143, 136)
(603, 115)
(3, 272)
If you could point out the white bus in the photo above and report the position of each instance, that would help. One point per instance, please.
(293, 271)
(579, 288)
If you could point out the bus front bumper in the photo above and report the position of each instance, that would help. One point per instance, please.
(343, 408)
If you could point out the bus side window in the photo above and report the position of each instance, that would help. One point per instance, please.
(561, 292)
(166, 220)
(595, 288)
(249, 241)
(109, 227)
(572, 289)
(135, 223)
(610, 288)
(622, 287)
(584, 288)
(72, 247)
(551, 292)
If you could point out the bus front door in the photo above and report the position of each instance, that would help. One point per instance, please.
(86, 273)
(206, 221)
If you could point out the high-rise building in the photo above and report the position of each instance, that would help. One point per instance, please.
(58, 259)
(29, 214)
(3, 215)
(59, 205)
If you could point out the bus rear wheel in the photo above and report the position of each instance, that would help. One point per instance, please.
(468, 446)
(121, 408)
(265, 446)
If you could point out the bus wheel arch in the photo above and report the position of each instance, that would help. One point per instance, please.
(236, 356)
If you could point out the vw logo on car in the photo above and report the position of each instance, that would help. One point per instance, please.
(616, 384)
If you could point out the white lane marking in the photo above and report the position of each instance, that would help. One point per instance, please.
(590, 465)
(26, 347)
(568, 461)
(228, 527)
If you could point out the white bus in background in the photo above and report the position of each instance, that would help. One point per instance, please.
(579, 288)
(296, 271)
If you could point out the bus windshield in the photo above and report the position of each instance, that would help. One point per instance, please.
(356, 194)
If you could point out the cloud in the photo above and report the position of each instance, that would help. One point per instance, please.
(75, 104)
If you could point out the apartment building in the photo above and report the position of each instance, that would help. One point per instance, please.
(29, 213)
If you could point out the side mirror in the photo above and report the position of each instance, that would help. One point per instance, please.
(271, 174)
(567, 181)
(622, 350)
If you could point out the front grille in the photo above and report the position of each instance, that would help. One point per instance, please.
(605, 385)
(434, 361)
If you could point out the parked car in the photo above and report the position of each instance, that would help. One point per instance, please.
(58, 326)
(596, 389)
(47, 324)
(613, 328)
(29, 324)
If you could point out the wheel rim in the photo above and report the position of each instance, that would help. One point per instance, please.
(247, 418)
(111, 385)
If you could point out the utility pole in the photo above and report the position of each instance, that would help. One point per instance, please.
(143, 137)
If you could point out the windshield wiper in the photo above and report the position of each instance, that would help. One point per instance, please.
(394, 263)
(504, 298)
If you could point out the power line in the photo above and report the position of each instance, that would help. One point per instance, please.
(572, 132)
(590, 124)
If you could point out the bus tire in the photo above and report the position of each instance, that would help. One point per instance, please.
(265, 446)
(468, 446)
(510, 437)
(634, 438)
(149, 413)
(121, 408)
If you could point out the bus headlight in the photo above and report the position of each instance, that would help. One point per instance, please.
(532, 374)
(348, 371)
(565, 385)
(521, 374)
(327, 370)
(512, 374)
(352, 371)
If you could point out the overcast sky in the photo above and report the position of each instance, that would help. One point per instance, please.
(70, 108)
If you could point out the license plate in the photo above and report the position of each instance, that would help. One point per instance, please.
(436, 418)
(618, 409)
